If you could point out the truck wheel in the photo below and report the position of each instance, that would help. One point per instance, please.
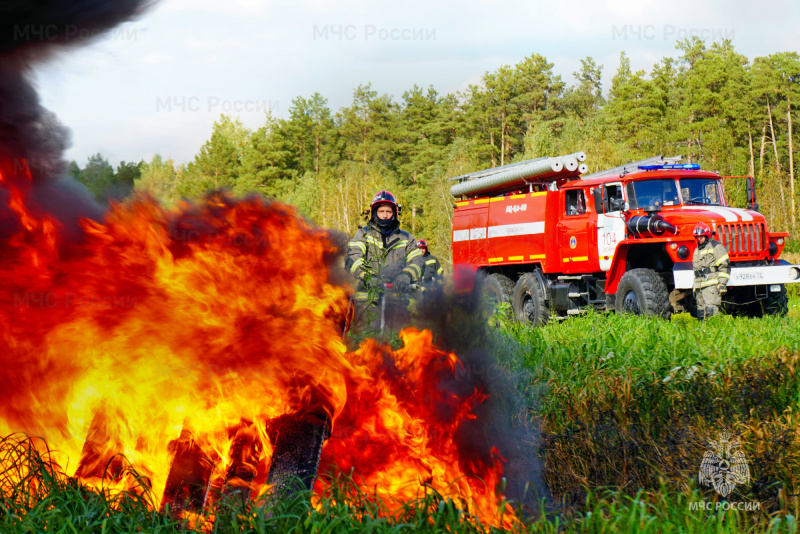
(643, 292)
(776, 303)
(528, 301)
(498, 288)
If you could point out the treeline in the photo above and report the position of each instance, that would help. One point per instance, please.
(710, 104)
(103, 181)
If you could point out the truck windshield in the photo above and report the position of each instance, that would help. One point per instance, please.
(701, 191)
(651, 192)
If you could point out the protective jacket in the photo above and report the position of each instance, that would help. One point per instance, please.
(377, 258)
(433, 269)
(711, 265)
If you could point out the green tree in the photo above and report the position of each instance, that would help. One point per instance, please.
(217, 165)
(501, 92)
(635, 109)
(158, 178)
(126, 175)
(98, 177)
(73, 169)
(366, 127)
(269, 163)
(585, 98)
(311, 130)
(538, 92)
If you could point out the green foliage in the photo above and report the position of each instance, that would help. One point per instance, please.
(158, 178)
(628, 405)
(219, 163)
(708, 103)
(102, 181)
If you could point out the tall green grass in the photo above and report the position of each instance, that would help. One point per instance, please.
(627, 406)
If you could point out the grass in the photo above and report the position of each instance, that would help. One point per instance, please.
(626, 406)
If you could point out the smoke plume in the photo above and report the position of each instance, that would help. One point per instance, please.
(31, 138)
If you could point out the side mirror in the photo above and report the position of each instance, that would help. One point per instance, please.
(598, 199)
(751, 193)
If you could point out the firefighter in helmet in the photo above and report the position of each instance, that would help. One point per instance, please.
(432, 275)
(711, 272)
(381, 253)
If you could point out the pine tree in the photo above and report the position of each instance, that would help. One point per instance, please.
(217, 166)
(159, 179)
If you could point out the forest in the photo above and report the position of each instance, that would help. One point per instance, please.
(710, 104)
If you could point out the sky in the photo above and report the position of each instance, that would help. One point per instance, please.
(158, 83)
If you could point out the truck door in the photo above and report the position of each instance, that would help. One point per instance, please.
(574, 231)
(610, 225)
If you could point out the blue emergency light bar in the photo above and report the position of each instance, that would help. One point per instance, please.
(679, 166)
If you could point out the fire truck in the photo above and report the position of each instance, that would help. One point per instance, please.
(554, 242)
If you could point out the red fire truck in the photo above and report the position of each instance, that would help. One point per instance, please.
(553, 243)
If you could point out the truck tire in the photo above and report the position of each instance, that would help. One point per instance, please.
(643, 292)
(498, 288)
(776, 303)
(528, 301)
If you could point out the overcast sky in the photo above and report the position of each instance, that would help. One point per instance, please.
(157, 84)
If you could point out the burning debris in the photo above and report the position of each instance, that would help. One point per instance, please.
(195, 354)
(228, 371)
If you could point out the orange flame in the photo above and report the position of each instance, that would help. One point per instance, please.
(195, 327)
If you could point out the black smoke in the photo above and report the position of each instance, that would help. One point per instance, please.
(31, 137)
(493, 364)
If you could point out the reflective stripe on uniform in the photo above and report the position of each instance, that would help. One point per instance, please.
(400, 244)
(359, 244)
(723, 275)
(709, 283)
(430, 262)
(413, 270)
(356, 264)
(378, 243)
(440, 271)
(413, 254)
(707, 251)
(361, 295)
(721, 260)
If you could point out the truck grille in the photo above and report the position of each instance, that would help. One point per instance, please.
(742, 239)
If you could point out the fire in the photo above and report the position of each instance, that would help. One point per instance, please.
(190, 335)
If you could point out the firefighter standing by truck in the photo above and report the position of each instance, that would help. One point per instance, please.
(711, 272)
(380, 253)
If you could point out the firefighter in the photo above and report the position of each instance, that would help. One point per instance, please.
(432, 275)
(711, 272)
(381, 253)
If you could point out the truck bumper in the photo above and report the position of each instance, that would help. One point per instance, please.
(781, 273)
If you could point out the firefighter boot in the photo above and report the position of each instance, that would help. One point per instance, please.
(710, 311)
(701, 313)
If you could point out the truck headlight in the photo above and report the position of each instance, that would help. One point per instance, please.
(683, 252)
(775, 288)
(780, 240)
(794, 273)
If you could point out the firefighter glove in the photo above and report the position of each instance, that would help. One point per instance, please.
(722, 289)
(403, 282)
